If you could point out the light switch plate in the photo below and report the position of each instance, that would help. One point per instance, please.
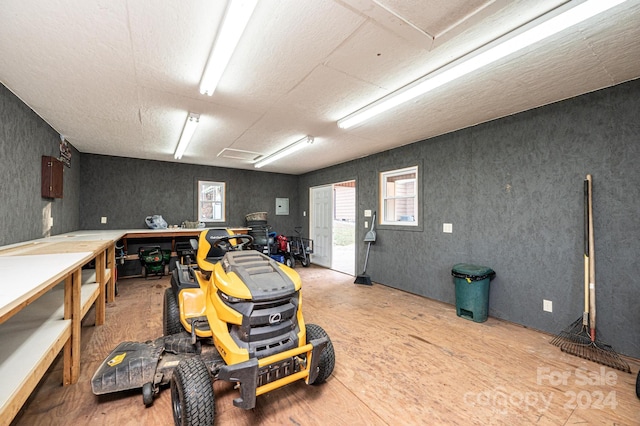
(447, 228)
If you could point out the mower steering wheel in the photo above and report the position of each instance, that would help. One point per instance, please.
(224, 243)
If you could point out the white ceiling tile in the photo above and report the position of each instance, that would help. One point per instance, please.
(119, 77)
(434, 17)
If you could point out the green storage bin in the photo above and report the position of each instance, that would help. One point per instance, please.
(472, 290)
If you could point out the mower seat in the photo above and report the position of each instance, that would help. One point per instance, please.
(208, 255)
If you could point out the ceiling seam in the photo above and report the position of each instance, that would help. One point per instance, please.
(135, 72)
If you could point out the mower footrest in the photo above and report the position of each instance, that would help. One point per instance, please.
(129, 366)
(132, 364)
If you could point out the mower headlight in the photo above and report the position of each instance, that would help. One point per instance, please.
(228, 298)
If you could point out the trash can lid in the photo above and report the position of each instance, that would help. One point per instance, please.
(473, 272)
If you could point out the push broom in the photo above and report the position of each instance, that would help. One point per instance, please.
(580, 340)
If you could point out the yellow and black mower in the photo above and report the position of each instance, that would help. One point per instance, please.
(237, 317)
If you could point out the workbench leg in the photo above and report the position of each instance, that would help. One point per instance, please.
(76, 323)
(68, 307)
(111, 264)
(100, 278)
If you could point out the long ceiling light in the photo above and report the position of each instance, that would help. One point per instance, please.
(234, 22)
(296, 146)
(559, 19)
(187, 134)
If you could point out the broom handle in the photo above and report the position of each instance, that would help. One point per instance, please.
(585, 312)
(592, 266)
(366, 258)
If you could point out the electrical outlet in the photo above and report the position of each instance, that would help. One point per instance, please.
(367, 213)
(103, 219)
(547, 305)
(447, 228)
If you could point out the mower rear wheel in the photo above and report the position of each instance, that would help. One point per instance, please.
(192, 395)
(327, 357)
(171, 314)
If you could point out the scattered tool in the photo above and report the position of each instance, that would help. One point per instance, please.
(369, 238)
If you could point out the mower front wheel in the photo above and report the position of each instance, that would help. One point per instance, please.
(327, 357)
(171, 314)
(306, 260)
(192, 396)
(147, 394)
(289, 260)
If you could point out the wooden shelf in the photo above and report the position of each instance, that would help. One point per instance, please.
(32, 339)
(41, 315)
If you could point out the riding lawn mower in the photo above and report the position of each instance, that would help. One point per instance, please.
(235, 316)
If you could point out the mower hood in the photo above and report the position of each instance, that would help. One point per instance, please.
(250, 275)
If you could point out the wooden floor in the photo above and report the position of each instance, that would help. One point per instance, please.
(400, 359)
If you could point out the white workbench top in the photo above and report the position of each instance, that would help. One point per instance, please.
(26, 276)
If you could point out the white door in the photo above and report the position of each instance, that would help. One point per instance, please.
(321, 218)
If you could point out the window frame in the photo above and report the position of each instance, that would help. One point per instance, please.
(383, 179)
(202, 216)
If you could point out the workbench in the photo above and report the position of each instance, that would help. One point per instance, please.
(171, 234)
(44, 295)
(161, 238)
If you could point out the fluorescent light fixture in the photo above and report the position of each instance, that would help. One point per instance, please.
(234, 22)
(187, 134)
(559, 19)
(296, 146)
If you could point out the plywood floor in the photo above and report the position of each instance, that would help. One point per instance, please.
(400, 359)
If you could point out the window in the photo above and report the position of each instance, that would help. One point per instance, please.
(399, 197)
(211, 198)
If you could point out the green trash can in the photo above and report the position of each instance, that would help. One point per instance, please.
(472, 291)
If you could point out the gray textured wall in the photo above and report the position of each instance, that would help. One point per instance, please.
(513, 190)
(24, 139)
(127, 190)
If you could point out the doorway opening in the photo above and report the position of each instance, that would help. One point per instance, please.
(332, 225)
(344, 227)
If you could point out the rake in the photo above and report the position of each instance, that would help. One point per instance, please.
(580, 327)
(579, 338)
